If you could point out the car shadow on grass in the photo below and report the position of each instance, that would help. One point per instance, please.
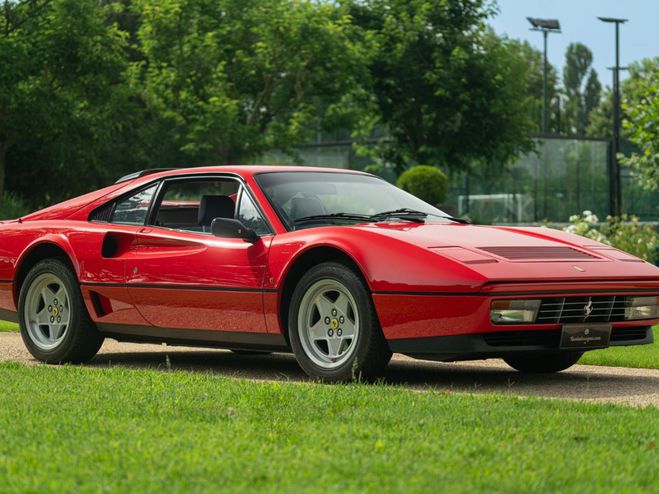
(580, 382)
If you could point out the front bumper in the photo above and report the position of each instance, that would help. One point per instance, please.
(502, 344)
(451, 324)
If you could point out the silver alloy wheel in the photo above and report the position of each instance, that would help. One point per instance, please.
(47, 311)
(328, 323)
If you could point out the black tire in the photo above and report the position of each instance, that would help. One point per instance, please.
(82, 339)
(371, 353)
(543, 363)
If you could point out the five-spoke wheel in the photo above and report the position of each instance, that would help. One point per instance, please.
(333, 328)
(55, 325)
(46, 311)
(328, 323)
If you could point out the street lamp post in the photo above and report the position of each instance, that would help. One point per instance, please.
(545, 26)
(615, 193)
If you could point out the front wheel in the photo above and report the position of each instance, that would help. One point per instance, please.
(543, 362)
(333, 327)
(55, 325)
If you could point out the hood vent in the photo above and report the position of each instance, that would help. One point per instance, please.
(535, 253)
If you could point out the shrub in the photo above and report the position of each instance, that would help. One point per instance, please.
(12, 207)
(425, 182)
(624, 233)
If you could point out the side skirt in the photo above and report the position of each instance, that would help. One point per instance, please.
(195, 337)
(8, 315)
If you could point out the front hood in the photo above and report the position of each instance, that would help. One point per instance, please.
(431, 235)
(504, 254)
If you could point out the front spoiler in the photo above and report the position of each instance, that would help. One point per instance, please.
(498, 345)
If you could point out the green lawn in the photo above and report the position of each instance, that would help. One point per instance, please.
(643, 356)
(75, 429)
(8, 326)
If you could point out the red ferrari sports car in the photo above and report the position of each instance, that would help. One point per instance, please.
(338, 266)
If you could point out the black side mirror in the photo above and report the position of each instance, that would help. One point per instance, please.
(230, 228)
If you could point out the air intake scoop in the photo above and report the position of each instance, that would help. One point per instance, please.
(540, 253)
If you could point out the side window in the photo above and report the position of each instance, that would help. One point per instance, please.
(192, 205)
(133, 210)
(250, 216)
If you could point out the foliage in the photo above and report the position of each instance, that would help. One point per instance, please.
(224, 81)
(12, 207)
(624, 233)
(642, 124)
(427, 183)
(582, 88)
(534, 78)
(633, 89)
(446, 90)
(63, 109)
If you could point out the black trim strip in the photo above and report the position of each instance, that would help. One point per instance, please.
(194, 337)
(8, 315)
(182, 287)
(475, 346)
(6, 281)
(641, 291)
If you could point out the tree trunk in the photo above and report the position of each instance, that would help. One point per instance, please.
(4, 148)
(3, 153)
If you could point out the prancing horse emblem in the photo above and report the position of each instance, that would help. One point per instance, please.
(587, 309)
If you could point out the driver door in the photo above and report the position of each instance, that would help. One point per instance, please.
(182, 277)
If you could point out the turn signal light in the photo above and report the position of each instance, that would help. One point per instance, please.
(514, 311)
(642, 308)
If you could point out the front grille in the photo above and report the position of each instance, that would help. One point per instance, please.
(552, 338)
(527, 253)
(565, 310)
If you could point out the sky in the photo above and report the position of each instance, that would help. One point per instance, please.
(639, 37)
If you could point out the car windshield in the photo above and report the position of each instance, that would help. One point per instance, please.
(311, 199)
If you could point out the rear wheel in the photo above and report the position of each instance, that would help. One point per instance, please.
(333, 327)
(538, 363)
(55, 325)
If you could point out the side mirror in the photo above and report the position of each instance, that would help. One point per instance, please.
(230, 228)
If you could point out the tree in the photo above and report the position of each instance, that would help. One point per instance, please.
(446, 90)
(225, 80)
(582, 88)
(62, 104)
(642, 110)
(534, 79)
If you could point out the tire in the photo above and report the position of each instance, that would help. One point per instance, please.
(333, 328)
(543, 363)
(55, 325)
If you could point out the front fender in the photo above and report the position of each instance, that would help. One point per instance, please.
(388, 264)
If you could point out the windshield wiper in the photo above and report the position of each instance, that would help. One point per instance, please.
(413, 215)
(403, 213)
(332, 216)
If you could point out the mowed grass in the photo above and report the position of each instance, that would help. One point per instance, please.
(8, 326)
(641, 356)
(75, 429)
